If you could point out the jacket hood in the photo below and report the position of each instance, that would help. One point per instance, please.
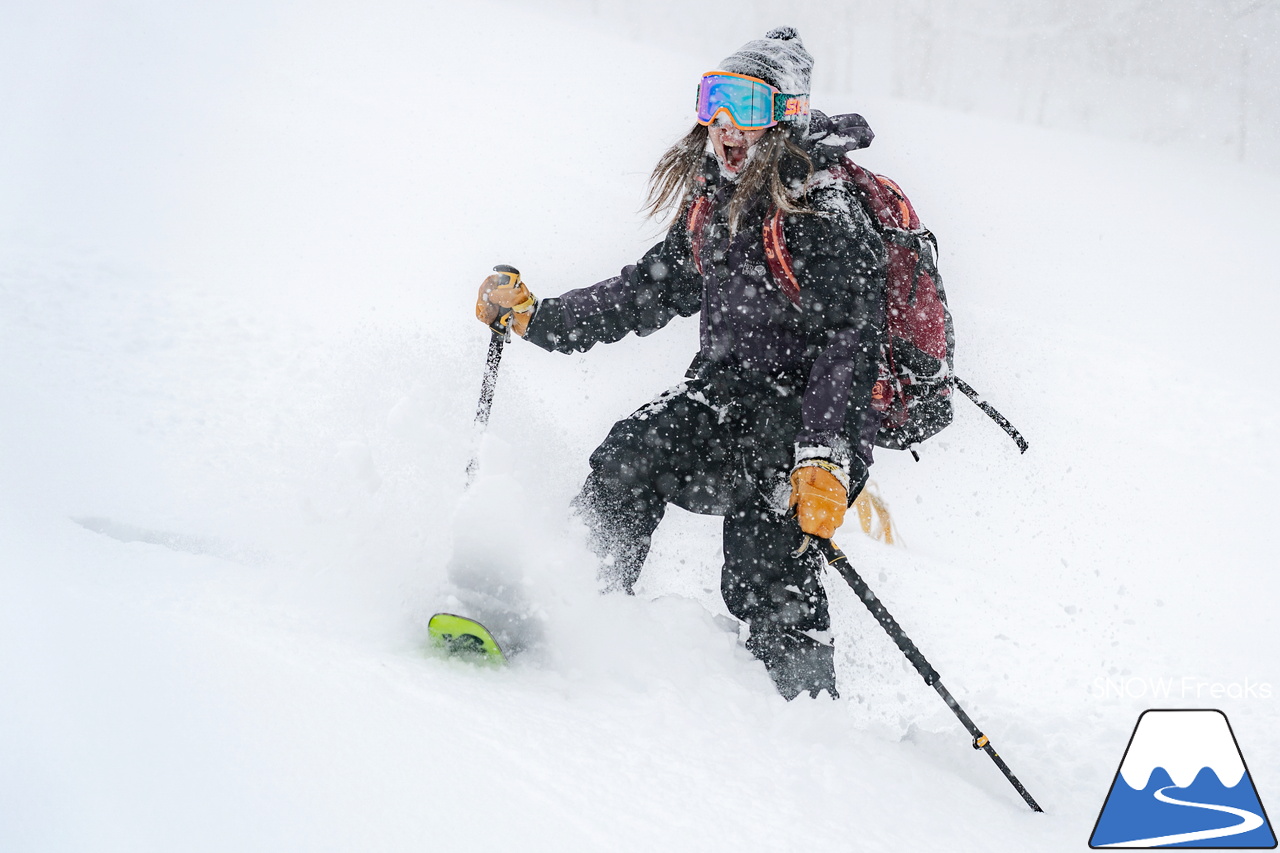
(832, 137)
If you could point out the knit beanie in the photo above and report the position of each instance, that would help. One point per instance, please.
(778, 59)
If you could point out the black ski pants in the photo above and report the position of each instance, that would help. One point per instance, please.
(711, 452)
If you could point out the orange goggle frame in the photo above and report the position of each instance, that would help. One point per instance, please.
(749, 102)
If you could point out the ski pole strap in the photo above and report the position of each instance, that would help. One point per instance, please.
(990, 410)
(838, 561)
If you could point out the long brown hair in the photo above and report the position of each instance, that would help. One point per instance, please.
(671, 184)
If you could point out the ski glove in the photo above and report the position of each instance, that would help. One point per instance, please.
(504, 299)
(820, 496)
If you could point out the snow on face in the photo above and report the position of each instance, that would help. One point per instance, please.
(731, 145)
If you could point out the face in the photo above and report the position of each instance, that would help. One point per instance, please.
(731, 144)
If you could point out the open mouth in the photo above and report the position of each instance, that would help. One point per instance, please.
(734, 156)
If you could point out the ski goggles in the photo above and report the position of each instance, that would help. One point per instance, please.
(750, 103)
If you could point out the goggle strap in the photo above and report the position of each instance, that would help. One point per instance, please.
(789, 107)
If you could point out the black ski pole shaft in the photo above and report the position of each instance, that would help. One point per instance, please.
(490, 381)
(485, 404)
(838, 561)
(991, 412)
(501, 329)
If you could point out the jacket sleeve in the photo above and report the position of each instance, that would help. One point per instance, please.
(644, 298)
(840, 261)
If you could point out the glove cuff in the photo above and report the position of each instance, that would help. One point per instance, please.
(841, 473)
(823, 445)
(522, 315)
(833, 449)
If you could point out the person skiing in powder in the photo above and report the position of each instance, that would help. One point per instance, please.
(773, 426)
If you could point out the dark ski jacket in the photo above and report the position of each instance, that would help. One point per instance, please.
(754, 339)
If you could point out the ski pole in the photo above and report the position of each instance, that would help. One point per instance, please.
(501, 330)
(837, 560)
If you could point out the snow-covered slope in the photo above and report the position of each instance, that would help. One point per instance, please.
(238, 251)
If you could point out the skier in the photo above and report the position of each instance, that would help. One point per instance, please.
(773, 426)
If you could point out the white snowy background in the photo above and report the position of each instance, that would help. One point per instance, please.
(239, 246)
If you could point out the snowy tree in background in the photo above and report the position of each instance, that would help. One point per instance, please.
(1199, 75)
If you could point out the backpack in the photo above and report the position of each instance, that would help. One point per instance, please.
(912, 392)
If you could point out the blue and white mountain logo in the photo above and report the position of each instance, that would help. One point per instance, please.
(1183, 783)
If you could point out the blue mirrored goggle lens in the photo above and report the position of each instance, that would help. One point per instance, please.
(748, 102)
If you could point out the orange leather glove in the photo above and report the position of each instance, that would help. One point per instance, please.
(503, 300)
(819, 498)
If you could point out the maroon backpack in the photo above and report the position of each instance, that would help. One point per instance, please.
(913, 390)
(916, 370)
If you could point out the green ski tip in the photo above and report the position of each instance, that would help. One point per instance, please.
(458, 636)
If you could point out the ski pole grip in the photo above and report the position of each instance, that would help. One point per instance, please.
(501, 324)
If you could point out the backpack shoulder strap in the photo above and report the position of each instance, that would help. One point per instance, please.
(778, 257)
(776, 254)
(888, 207)
(694, 222)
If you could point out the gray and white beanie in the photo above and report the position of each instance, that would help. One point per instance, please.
(778, 59)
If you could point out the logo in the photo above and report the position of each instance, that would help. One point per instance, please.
(1183, 783)
(796, 106)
